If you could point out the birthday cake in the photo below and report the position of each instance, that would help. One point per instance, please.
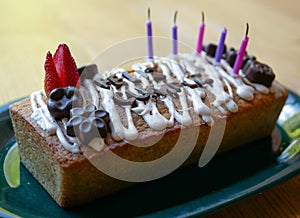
(139, 114)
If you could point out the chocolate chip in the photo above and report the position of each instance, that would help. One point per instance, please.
(197, 80)
(210, 49)
(126, 75)
(101, 126)
(101, 114)
(144, 97)
(122, 101)
(89, 108)
(85, 132)
(58, 94)
(160, 92)
(209, 82)
(103, 83)
(191, 85)
(61, 101)
(150, 69)
(257, 72)
(73, 124)
(117, 82)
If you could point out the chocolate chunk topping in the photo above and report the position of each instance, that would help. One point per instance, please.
(126, 75)
(209, 82)
(257, 72)
(150, 69)
(72, 124)
(89, 124)
(87, 72)
(247, 58)
(197, 80)
(231, 56)
(101, 126)
(117, 82)
(160, 93)
(122, 101)
(89, 108)
(91, 128)
(144, 96)
(102, 83)
(193, 85)
(101, 114)
(210, 49)
(61, 100)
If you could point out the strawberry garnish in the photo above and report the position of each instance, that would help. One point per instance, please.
(61, 70)
(52, 80)
(65, 66)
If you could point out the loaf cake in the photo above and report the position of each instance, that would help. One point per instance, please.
(84, 119)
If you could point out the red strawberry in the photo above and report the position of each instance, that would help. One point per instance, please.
(61, 70)
(52, 80)
(65, 66)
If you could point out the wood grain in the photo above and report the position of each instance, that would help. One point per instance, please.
(28, 29)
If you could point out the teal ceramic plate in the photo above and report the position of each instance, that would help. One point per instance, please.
(191, 191)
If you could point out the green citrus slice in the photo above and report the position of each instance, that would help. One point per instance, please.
(11, 166)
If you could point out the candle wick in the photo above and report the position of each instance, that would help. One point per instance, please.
(148, 13)
(175, 16)
(202, 16)
(247, 29)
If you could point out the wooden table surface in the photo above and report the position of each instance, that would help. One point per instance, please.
(28, 29)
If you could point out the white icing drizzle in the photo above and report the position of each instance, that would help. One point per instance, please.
(199, 107)
(185, 119)
(277, 89)
(166, 72)
(174, 71)
(44, 119)
(41, 114)
(119, 131)
(243, 91)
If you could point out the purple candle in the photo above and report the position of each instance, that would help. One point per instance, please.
(174, 36)
(240, 55)
(200, 36)
(149, 36)
(220, 47)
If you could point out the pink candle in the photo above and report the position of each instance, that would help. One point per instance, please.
(220, 47)
(240, 55)
(174, 36)
(200, 36)
(149, 36)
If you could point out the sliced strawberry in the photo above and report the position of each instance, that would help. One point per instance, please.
(66, 66)
(52, 80)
